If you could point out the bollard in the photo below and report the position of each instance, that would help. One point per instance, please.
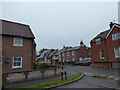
(61, 75)
(63, 72)
(65, 75)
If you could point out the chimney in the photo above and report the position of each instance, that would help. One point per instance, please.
(111, 24)
(81, 43)
(64, 47)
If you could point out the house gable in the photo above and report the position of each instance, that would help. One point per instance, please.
(112, 29)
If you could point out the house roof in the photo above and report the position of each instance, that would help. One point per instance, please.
(58, 52)
(52, 53)
(16, 29)
(48, 54)
(73, 48)
(105, 34)
(45, 53)
(102, 35)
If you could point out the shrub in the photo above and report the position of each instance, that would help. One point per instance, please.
(70, 62)
(38, 65)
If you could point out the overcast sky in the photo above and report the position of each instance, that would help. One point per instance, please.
(62, 23)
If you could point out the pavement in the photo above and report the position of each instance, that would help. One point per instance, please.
(38, 81)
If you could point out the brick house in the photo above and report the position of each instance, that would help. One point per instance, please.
(106, 47)
(45, 57)
(56, 57)
(76, 54)
(18, 47)
(49, 56)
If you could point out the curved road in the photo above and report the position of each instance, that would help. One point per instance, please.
(93, 82)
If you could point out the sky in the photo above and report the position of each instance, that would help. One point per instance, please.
(55, 24)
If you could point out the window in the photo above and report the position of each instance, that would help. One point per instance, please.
(73, 59)
(18, 41)
(63, 54)
(17, 62)
(68, 53)
(68, 59)
(1, 59)
(73, 53)
(102, 56)
(116, 36)
(117, 52)
(98, 41)
(45, 59)
(63, 59)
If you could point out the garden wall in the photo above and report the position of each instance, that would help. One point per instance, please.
(30, 75)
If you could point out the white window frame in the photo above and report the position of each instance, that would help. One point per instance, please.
(14, 44)
(73, 59)
(117, 55)
(63, 54)
(17, 66)
(63, 59)
(101, 54)
(68, 53)
(116, 36)
(68, 59)
(98, 40)
(1, 57)
(73, 53)
(45, 58)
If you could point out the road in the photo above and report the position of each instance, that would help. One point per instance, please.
(0, 76)
(93, 82)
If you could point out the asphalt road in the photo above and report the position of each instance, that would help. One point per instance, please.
(0, 76)
(93, 82)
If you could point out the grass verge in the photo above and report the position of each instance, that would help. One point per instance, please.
(54, 83)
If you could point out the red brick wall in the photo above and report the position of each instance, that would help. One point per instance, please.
(10, 51)
(111, 44)
(108, 47)
(82, 52)
(76, 55)
(95, 49)
(104, 65)
(89, 52)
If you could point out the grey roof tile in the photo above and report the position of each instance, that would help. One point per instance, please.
(15, 29)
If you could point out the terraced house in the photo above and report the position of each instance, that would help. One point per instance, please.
(49, 56)
(76, 54)
(18, 47)
(106, 47)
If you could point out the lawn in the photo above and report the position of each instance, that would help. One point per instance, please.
(54, 83)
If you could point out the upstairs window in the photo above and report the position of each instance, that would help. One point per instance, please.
(63, 54)
(68, 53)
(117, 52)
(116, 36)
(102, 56)
(73, 53)
(17, 62)
(98, 41)
(18, 41)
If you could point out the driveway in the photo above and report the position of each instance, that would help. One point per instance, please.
(93, 82)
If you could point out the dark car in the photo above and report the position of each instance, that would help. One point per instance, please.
(83, 63)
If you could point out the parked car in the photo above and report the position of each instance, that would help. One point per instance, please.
(83, 63)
